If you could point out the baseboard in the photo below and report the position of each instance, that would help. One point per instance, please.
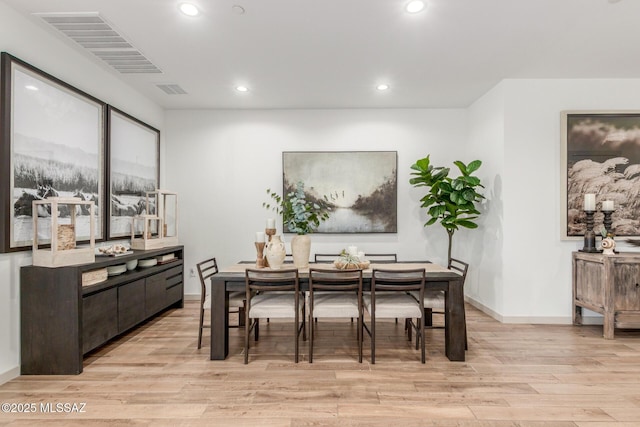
(535, 320)
(483, 308)
(9, 375)
(192, 297)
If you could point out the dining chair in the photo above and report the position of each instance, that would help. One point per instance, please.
(273, 294)
(434, 301)
(207, 269)
(390, 298)
(325, 258)
(335, 294)
(381, 258)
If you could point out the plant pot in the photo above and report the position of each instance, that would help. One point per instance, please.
(275, 253)
(301, 249)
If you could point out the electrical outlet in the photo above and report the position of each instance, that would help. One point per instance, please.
(192, 272)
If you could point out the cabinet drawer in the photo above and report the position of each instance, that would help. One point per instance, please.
(174, 294)
(99, 318)
(131, 304)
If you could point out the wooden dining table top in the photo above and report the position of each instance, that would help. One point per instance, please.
(431, 269)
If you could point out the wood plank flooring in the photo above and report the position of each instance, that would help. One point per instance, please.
(514, 375)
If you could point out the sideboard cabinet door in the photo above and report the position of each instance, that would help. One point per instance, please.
(627, 287)
(100, 322)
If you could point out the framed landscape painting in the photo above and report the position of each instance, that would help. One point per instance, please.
(600, 155)
(361, 187)
(52, 142)
(134, 169)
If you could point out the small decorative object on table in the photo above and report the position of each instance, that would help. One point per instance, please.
(275, 253)
(260, 249)
(347, 261)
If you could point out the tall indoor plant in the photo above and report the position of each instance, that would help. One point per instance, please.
(301, 215)
(449, 200)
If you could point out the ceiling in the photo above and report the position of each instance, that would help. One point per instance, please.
(333, 53)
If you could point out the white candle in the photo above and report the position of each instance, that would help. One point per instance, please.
(589, 202)
(259, 236)
(271, 223)
(361, 255)
(607, 205)
(352, 250)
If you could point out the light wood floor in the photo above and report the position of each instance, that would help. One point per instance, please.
(515, 375)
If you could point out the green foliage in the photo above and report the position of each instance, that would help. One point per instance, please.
(300, 215)
(449, 200)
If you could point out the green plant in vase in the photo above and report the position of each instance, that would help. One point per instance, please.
(449, 200)
(302, 215)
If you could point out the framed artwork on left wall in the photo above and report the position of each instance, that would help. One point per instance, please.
(52, 142)
(134, 169)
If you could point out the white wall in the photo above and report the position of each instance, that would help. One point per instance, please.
(222, 162)
(27, 41)
(537, 264)
(484, 285)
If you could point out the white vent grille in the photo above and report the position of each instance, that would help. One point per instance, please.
(95, 34)
(171, 89)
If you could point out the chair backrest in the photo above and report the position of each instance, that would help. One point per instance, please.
(341, 280)
(325, 257)
(459, 266)
(374, 258)
(397, 280)
(206, 269)
(381, 258)
(285, 279)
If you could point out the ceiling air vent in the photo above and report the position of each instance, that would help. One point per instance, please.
(96, 35)
(171, 89)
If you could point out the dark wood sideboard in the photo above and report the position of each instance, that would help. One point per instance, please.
(61, 320)
(609, 285)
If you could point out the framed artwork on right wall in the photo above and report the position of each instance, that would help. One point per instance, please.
(600, 155)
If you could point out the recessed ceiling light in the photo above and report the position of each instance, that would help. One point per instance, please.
(189, 9)
(242, 89)
(415, 6)
(31, 87)
(382, 87)
(237, 9)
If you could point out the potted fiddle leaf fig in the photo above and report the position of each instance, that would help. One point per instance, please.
(450, 201)
(301, 214)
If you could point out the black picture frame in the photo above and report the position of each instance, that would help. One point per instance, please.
(52, 141)
(600, 154)
(362, 186)
(133, 169)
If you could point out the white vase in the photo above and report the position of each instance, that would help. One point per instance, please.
(300, 250)
(275, 253)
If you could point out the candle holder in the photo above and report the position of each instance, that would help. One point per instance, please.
(260, 259)
(607, 221)
(270, 232)
(589, 235)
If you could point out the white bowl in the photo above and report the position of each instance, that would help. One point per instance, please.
(131, 265)
(149, 262)
(114, 270)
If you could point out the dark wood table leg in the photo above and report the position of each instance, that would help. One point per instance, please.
(454, 322)
(219, 320)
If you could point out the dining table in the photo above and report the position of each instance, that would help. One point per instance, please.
(438, 278)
